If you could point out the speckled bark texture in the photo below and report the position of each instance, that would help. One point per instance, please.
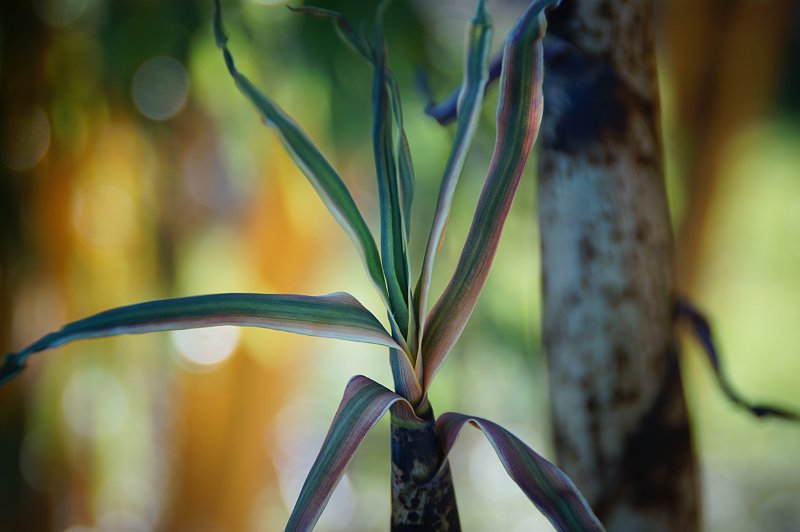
(620, 421)
(417, 504)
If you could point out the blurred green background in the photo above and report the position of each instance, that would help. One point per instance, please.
(132, 169)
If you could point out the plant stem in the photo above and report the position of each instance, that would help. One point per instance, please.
(421, 498)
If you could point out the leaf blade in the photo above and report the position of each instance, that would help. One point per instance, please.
(337, 315)
(470, 98)
(364, 403)
(518, 117)
(309, 159)
(549, 488)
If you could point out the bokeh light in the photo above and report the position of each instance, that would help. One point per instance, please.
(205, 348)
(30, 138)
(160, 87)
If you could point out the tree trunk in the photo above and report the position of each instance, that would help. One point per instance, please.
(416, 457)
(620, 421)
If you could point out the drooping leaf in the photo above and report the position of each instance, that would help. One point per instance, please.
(469, 105)
(336, 315)
(519, 113)
(549, 488)
(363, 405)
(702, 330)
(310, 160)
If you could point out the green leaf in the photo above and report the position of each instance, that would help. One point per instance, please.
(363, 405)
(519, 113)
(549, 488)
(469, 109)
(308, 158)
(393, 252)
(336, 315)
(395, 169)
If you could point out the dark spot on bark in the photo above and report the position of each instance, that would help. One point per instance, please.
(587, 250)
(641, 233)
(622, 359)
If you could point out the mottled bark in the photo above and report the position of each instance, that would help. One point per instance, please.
(620, 421)
(418, 502)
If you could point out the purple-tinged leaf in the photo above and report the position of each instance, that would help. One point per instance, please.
(336, 315)
(519, 114)
(469, 104)
(313, 164)
(549, 488)
(702, 330)
(363, 405)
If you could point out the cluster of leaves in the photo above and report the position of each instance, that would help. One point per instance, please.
(419, 340)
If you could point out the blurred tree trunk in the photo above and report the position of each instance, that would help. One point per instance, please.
(723, 58)
(620, 421)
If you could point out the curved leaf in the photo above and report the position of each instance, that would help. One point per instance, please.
(469, 105)
(363, 405)
(519, 113)
(702, 330)
(549, 488)
(308, 158)
(336, 315)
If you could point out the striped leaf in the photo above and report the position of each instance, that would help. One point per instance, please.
(310, 160)
(393, 252)
(398, 186)
(518, 116)
(469, 105)
(363, 405)
(549, 488)
(336, 315)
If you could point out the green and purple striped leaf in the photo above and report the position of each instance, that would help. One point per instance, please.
(549, 488)
(363, 405)
(393, 242)
(310, 160)
(518, 116)
(337, 315)
(479, 38)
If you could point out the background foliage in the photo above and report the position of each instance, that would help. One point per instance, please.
(132, 170)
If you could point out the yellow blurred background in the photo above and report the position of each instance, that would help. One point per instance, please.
(132, 170)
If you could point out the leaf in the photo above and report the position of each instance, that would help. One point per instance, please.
(308, 158)
(519, 113)
(702, 330)
(337, 315)
(446, 110)
(363, 405)
(395, 169)
(393, 252)
(469, 105)
(549, 488)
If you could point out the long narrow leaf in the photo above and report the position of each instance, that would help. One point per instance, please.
(336, 315)
(469, 105)
(518, 116)
(310, 160)
(404, 173)
(393, 252)
(363, 405)
(702, 330)
(549, 488)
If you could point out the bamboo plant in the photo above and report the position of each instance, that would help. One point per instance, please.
(419, 339)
